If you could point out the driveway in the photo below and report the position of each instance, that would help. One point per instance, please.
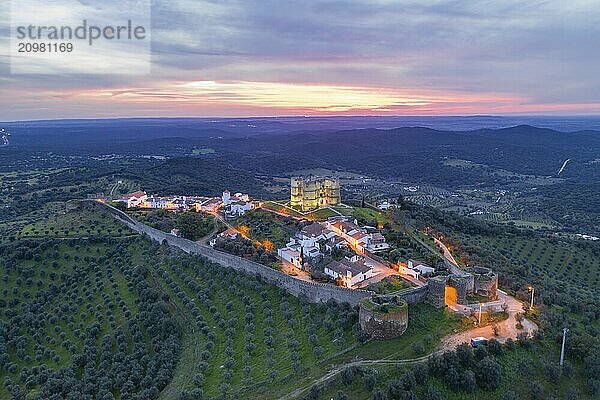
(380, 272)
(506, 329)
(294, 271)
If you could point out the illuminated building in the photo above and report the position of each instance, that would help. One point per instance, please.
(310, 193)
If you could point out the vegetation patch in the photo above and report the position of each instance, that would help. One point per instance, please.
(264, 226)
(384, 305)
(190, 225)
(389, 284)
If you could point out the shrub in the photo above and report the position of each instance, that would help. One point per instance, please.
(432, 394)
(488, 373)
(536, 390)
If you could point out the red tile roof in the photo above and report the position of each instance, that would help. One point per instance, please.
(137, 194)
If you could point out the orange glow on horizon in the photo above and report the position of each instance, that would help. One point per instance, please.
(291, 99)
(246, 99)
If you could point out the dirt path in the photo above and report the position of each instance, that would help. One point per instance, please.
(506, 329)
(339, 368)
(209, 236)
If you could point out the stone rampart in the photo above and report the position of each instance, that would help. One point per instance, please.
(315, 292)
(383, 321)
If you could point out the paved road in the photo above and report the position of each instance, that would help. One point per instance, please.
(446, 252)
(380, 272)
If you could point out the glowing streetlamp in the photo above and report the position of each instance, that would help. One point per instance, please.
(532, 290)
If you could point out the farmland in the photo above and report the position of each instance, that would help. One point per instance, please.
(111, 315)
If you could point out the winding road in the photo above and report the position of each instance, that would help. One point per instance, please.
(563, 166)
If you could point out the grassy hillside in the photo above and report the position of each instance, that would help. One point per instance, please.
(121, 316)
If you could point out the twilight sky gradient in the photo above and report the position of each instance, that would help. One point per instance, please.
(321, 57)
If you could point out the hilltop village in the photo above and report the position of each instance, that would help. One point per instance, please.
(327, 244)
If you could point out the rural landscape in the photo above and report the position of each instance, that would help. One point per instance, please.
(299, 200)
(92, 307)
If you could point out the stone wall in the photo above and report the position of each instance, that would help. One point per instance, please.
(462, 285)
(315, 292)
(436, 293)
(485, 282)
(414, 295)
(383, 325)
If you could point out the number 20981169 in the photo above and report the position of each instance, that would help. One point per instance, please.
(45, 47)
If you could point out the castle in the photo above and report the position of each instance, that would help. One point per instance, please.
(308, 194)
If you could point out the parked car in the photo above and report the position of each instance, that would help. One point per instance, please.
(479, 341)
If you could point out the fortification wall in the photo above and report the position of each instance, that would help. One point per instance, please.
(485, 282)
(436, 293)
(315, 292)
(414, 295)
(461, 284)
(383, 325)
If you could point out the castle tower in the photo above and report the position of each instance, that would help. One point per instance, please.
(297, 192)
(308, 194)
(332, 191)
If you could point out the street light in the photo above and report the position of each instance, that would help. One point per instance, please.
(480, 304)
(532, 290)
(562, 349)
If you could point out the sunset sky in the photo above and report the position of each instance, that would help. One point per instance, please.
(379, 57)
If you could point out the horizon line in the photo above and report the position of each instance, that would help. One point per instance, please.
(308, 117)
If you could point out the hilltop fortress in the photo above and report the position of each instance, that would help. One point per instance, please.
(314, 192)
(380, 316)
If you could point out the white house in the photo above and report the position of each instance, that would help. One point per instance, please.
(408, 271)
(135, 199)
(312, 234)
(229, 233)
(357, 237)
(377, 243)
(305, 249)
(350, 271)
(290, 255)
(239, 208)
(156, 202)
(384, 206)
(419, 266)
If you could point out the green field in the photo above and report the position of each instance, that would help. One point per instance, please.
(164, 321)
(526, 372)
(60, 222)
(86, 301)
(370, 216)
(565, 267)
(113, 304)
(278, 207)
